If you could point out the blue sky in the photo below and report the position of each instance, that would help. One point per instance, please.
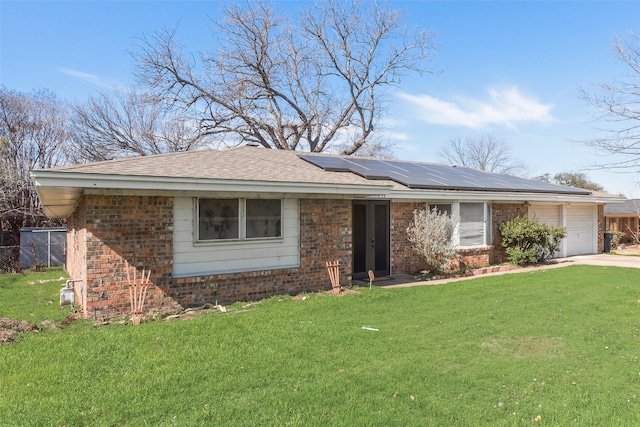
(511, 69)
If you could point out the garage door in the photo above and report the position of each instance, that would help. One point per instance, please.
(547, 214)
(581, 230)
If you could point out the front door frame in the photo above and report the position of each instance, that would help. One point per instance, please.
(371, 234)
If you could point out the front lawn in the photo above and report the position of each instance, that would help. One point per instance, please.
(554, 347)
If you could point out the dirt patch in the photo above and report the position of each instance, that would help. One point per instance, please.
(343, 292)
(627, 250)
(10, 327)
(522, 347)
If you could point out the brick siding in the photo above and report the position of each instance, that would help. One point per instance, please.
(403, 258)
(501, 213)
(321, 221)
(601, 228)
(106, 231)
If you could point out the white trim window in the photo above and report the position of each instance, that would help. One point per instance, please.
(238, 219)
(473, 222)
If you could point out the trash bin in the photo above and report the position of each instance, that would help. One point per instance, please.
(608, 237)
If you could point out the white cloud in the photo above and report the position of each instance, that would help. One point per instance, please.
(394, 135)
(505, 107)
(87, 77)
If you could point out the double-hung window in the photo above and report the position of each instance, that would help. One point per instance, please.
(473, 224)
(472, 220)
(239, 219)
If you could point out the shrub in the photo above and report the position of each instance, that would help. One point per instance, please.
(431, 234)
(527, 241)
(618, 236)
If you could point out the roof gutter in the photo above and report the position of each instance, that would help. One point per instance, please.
(132, 182)
(456, 195)
(59, 191)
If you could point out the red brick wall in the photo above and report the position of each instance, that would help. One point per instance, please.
(403, 258)
(106, 231)
(475, 257)
(501, 213)
(76, 242)
(321, 221)
(110, 230)
(601, 228)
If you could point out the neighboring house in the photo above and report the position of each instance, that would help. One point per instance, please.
(248, 223)
(624, 217)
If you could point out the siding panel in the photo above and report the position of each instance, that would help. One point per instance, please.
(191, 259)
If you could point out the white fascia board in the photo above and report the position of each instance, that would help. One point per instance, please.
(129, 182)
(497, 196)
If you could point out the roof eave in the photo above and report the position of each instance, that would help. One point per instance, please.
(502, 196)
(59, 191)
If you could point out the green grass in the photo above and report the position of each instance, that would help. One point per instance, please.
(561, 345)
(33, 297)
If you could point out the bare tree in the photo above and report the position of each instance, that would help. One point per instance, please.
(617, 106)
(484, 152)
(129, 123)
(316, 84)
(571, 179)
(32, 135)
(634, 233)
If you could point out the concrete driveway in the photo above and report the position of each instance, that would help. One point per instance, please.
(612, 260)
(604, 260)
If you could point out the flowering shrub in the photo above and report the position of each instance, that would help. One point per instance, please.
(431, 234)
(527, 241)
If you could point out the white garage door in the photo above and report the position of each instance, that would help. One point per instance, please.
(546, 214)
(581, 230)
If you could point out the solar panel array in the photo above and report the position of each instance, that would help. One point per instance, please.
(434, 176)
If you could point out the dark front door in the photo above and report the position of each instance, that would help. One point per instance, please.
(370, 238)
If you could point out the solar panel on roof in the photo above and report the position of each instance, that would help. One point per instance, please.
(432, 176)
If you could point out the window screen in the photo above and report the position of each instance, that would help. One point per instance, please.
(218, 219)
(264, 218)
(442, 208)
(471, 224)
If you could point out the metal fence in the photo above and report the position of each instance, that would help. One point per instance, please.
(39, 248)
(10, 258)
(42, 247)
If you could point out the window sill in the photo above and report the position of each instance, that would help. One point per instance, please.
(226, 242)
(474, 248)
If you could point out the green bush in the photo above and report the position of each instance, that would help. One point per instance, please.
(527, 241)
(618, 236)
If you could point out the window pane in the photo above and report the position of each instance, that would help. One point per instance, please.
(471, 224)
(217, 219)
(264, 218)
(444, 208)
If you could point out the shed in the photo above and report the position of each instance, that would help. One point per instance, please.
(45, 246)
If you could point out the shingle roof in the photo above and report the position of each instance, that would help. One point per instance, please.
(240, 163)
(252, 169)
(259, 164)
(628, 207)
